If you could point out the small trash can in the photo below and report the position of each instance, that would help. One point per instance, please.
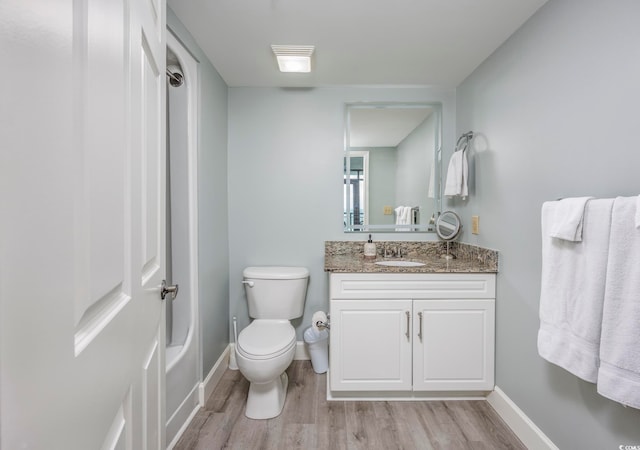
(318, 344)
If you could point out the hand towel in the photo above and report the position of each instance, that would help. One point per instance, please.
(638, 212)
(572, 290)
(457, 175)
(567, 223)
(619, 374)
(403, 217)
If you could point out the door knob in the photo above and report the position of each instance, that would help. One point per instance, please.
(168, 289)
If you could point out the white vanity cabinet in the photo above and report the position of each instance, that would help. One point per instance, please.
(412, 332)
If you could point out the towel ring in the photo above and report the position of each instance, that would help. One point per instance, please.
(465, 139)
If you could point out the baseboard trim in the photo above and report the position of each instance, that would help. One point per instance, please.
(214, 376)
(182, 429)
(523, 427)
(302, 354)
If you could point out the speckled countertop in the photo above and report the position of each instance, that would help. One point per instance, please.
(348, 257)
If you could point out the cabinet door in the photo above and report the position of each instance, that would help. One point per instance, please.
(370, 345)
(453, 346)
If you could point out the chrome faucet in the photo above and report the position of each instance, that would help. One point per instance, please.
(392, 252)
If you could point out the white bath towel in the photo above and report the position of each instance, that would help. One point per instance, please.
(638, 212)
(567, 221)
(457, 175)
(572, 290)
(619, 374)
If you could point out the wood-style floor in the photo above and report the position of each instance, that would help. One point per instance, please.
(309, 421)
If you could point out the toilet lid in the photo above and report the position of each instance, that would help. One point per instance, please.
(266, 338)
(275, 273)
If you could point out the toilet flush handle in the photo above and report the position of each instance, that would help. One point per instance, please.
(248, 283)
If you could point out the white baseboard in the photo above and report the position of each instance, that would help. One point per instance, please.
(185, 423)
(527, 431)
(214, 376)
(301, 352)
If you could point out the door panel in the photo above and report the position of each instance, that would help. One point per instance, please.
(152, 389)
(151, 171)
(103, 286)
(371, 348)
(82, 321)
(119, 435)
(453, 346)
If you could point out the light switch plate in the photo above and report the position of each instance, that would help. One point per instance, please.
(388, 210)
(475, 224)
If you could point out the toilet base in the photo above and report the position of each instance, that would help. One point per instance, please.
(266, 400)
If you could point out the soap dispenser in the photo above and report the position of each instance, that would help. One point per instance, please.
(369, 249)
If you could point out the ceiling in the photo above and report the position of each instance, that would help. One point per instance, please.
(358, 42)
(383, 127)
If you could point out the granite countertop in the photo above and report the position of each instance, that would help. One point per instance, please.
(348, 257)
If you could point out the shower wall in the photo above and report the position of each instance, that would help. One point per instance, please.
(178, 208)
(182, 355)
(213, 226)
(207, 178)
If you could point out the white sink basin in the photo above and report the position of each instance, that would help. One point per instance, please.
(400, 263)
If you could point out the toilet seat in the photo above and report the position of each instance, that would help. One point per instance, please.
(266, 339)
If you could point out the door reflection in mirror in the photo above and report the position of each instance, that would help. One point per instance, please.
(356, 189)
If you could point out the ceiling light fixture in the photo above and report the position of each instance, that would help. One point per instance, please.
(293, 58)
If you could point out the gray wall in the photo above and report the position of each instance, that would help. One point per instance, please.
(415, 157)
(213, 232)
(285, 186)
(556, 112)
(382, 182)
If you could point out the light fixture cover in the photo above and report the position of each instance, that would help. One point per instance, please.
(293, 58)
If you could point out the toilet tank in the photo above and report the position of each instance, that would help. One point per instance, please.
(276, 292)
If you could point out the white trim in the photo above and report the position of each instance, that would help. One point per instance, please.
(214, 376)
(204, 391)
(302, 354)
(182, 429)
(531, 436)
(183, 415)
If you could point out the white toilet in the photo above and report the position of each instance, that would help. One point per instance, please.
(266, 347)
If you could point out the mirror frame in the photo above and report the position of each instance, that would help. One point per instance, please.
(429, 223)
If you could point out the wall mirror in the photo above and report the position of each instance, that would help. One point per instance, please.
(392, 167)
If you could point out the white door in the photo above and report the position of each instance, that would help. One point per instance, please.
(453, 345)
(370, 345)
(82, 251)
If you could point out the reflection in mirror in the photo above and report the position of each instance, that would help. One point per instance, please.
(392, 167)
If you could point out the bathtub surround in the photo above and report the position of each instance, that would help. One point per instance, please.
(183, 371)
(213, 256)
